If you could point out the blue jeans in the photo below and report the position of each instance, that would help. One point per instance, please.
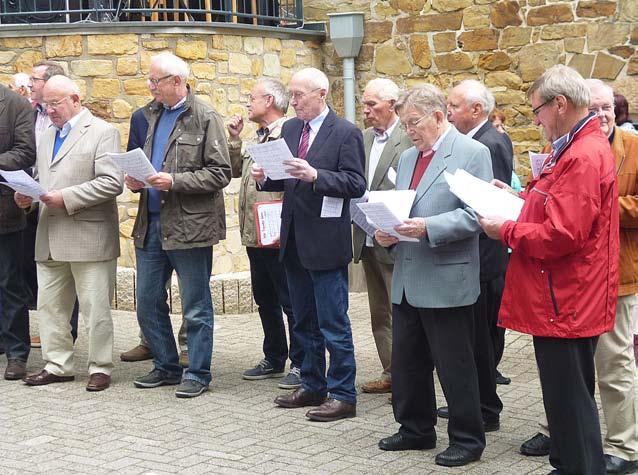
(14, 315)
(320, 303)
(270, 289)
(193, 267)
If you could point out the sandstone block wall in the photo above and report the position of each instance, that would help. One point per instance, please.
(507, 44)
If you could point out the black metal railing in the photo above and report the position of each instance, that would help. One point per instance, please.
(280, 13)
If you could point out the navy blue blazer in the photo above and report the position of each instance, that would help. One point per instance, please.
(137, 131)
(338, 155)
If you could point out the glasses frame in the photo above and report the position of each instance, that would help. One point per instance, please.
(412, 125)
(300, 95)
(54, 105)
(537, 110)
(34, 79)
(252, 98)
(155, 82)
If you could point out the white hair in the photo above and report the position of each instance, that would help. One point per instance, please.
(315, 78)
(561, 80)
(168, 63)
(385, 89)
(474, 91)
(19, 80)
(426, 98)
(278, 91)
(64, 84)
(594, 84)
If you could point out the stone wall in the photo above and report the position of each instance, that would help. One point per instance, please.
(111, 72)
(507, 44)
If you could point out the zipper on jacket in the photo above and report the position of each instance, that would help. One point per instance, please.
(551, 293)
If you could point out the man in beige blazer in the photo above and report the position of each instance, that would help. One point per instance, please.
(384, 141)
(77, 241)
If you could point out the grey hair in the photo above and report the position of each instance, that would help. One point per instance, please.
(426, 98)
(385, 89)
(279, 93)
(19, 80)
(475, 91)
(597, 83)
(561, 80)
(315, 78)
(168, 63)
(51, 69)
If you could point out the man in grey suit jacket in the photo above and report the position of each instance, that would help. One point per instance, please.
(434, 284)
(384, 142)
(77, 240)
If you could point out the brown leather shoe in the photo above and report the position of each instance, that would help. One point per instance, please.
(299, 398)
(139, 353)
(44, 377)
(15, 370)
(35, 342)
(332, 410)
(378, 386)
(98, 382)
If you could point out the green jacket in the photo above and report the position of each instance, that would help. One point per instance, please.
(192, 212)
(248, 194)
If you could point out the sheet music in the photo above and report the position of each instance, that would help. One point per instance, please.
(269, 216)
(485, 198)
(331, 207)
(270, 156)
(383, 218)
(359, 218)
(536, 161)
(21, 182)
(135, 164)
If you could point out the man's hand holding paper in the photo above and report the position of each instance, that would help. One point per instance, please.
(301, 169)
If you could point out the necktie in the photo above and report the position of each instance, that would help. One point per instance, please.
(305, 141)
(422, 163)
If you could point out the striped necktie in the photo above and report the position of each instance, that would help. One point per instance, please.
(305, 141)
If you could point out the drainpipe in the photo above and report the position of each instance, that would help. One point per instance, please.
(346, 34)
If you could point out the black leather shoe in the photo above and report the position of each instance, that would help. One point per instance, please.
(399, 442)
(537, 446)
(615, 464)
(492, 426)
(455, 456)
(443, 412)
(332, 410)
(299, 398)
(500, 379)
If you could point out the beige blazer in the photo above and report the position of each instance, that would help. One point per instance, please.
(86, 230)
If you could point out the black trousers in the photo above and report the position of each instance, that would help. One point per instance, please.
(425, 338)
(270, 290)
(485, 315)
(567, 373)
(494, 292)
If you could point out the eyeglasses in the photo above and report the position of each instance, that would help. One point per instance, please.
(411, 124)
(536, 110)
(155, 82)
(252, 98)
(56, 104)
(599, 109)
(34, 79)
(299, 95)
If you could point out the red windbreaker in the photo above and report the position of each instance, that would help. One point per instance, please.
(562, 279)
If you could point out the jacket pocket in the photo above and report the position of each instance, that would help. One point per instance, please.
(188, 156)
(89, 215)
(447, 258)
(552, 294)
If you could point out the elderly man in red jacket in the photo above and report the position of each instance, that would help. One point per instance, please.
(562, 281)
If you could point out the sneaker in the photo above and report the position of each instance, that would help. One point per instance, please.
(263, 370)
(190, 388)
(156, 378)
(292, 379)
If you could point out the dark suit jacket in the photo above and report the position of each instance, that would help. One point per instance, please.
(138, 130)
(337, 153)
(493, 254)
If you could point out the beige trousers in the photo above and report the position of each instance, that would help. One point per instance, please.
(379, 280)
(617, 383)
(58, 284)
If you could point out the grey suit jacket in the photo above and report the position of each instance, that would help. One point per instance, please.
(397, 143)
(442, 270)
(86, 230)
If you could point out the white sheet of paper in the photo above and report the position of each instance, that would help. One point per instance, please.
(331, 207)
(359, 218)
(382, 217)
(21, 182)
(135, 164)
(270, 156)
(269, 215)
(398, 201)
(392, 175)
(485, 198)
(536, 160)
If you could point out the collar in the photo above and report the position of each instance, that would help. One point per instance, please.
(383, 136)
(473, 132)
(178, 105)
(317, 121)
(271, 131)
(437, 144)
(41, 108)
(69, 124)
(561, 144)
(611, 135)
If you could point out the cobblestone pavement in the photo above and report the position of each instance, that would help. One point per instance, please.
(236, 428)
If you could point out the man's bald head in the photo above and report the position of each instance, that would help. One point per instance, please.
(62, 97)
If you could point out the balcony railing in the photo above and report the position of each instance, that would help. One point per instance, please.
(278, 13)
